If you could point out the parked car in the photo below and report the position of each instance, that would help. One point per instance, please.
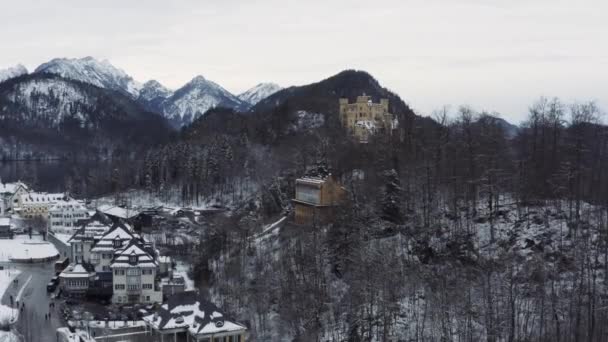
(51, 286)
(18, 230)
(55, 280)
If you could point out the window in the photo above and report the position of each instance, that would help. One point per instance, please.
(133, 272)
(106, 268)
(119, 287)
(147, 298)
(147, 286)
(132, 287)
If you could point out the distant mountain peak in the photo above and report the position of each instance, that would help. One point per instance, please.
(12, 72)
(198, 79)
(90, 70)
(195, 98)
(259, 92)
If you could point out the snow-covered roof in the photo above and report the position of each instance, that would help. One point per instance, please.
(317, 181)
(91, 230)
(11, 188)
(77, 271)
(118, 232)
(5, 221)
(42, 198)
(123, 257)
(119, 212)
(190, 312)
(70, 204)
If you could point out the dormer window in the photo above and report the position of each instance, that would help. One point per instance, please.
(117, 243)
(133, 258)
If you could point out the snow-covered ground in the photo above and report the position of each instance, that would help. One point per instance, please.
(181, 269)
(22, 247)
(8, 336)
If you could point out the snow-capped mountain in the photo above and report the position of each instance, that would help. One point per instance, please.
(259, 92)
(195, 98)
(12, 72)
(89, 70)
(152, 95)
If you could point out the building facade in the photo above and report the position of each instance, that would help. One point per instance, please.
(67, 216)
(364, 118)
(76, 279)
(316, 199)
(83, 240)
(134, 276)
(10, 194)
(37, 204)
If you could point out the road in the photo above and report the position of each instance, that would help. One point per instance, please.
(31, 292)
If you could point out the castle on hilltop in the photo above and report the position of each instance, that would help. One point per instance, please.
(364, 118)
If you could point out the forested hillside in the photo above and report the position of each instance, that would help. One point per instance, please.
(47, 116)
(458, 227)
(462, 228)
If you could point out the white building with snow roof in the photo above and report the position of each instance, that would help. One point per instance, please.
(83, 240)
(102, 252)
(134, 276)
(10, 194)
(37, 204)
(187, 316)
(76, 279)
(66, 216)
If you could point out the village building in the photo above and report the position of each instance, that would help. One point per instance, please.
(37, 204)
(121, 264)
(67, 216)
(188, 317)
(5, 228)
(173, 285)
(104, 250)
(119, 214)
(84, 239)
(76, 279)
(134, 276)
(364, 118)
(10, 194)
(316, 199)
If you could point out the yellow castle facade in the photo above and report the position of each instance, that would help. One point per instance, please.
(364, 118)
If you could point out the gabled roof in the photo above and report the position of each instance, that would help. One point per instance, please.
(133, 249)
(93, 229)
(78, 271)
(191, 312)
(119, 232)
(11, 188)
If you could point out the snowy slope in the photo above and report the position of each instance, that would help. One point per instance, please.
(259, 92)
(65, 113)
(89, 70)
(12, 72)
(195, 98)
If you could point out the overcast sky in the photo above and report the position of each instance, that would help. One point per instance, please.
(490, 54)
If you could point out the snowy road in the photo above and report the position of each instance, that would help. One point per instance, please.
(31, 293)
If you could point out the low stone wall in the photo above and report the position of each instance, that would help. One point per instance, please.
(34, 260)
(64, 249)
